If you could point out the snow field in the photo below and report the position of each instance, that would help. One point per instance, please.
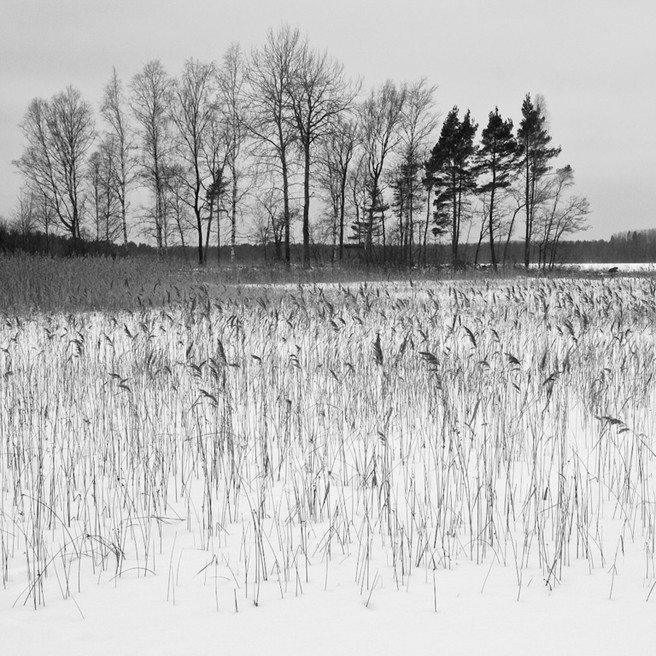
(380, 468)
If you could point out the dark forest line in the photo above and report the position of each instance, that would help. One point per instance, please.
(628, 247)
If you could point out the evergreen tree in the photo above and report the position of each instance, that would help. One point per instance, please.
(497, 161)
(452, 168)
(533, 138)
(369, 226)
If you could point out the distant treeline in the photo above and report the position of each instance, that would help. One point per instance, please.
(631, 246)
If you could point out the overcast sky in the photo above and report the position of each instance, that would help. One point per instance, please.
(593, 60)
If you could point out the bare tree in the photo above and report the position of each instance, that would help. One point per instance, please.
(330, 179)
(32, 212)
(96, 182)
(193, 112)
(232, 83)
(175, 208)
(419, 122)
(271, 119)
(269, 220)
(269, 214)
(560, 214)
(59, 133)
(356, 198)
(217, 152)
(484, 225)
(318, 94)
(24, 216)
(571, 217)
(105, 200)
(45, 216)
(114, 111)
(516, 193)
(552, 189)
(150, 100)
(381, 116)
(337, 152)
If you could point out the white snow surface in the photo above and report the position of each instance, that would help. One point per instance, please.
(133, 616)
(195, 591)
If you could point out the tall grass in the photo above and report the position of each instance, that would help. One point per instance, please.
(398, 428)
(32, 284)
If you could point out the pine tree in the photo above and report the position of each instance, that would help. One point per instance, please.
(533, 138)
(497, 162)
(452, 168)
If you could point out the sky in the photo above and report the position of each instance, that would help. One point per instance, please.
(592, 60)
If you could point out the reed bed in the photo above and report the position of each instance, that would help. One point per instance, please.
(383, 431)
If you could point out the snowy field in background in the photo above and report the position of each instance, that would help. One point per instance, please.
(622, 267)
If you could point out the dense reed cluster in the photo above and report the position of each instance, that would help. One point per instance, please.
(389, 429)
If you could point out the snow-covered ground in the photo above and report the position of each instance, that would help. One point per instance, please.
(134, 617)
(622, 267)
(387, 469)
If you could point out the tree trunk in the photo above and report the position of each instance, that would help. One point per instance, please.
(510, 229)
(218, 233)
(233, 215)
(369, 239)
(455, 228)
(181, 232)
(428, 212)
(209, 227)
(342, 207)
(411, 226)
(382, 222)
(481, 234)
(493, 256)
(527, 242)
(306, 206)
(285, 201)
(199, 227)
(124, 222)
(335, 230)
